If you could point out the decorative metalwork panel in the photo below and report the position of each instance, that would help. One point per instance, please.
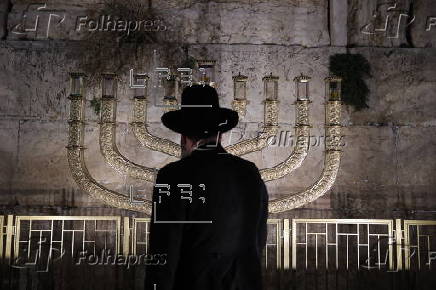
(41, 240)
(342, 244)
(272, 253)
(314, 244)
(2, 236)
(140, 234)
(419, 244)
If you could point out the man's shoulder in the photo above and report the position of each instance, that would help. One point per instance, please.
(169, 167)
(243, 165)
(177, 167)
(244, 162)
(182, 164)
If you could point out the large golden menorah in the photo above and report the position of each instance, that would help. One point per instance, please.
(127, 167)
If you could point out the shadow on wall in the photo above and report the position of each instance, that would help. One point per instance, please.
(353, 69)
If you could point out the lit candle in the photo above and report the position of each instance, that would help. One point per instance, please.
(333, 88)
(302, 87)
(109, 85)
(76, 84)
(240, 87)
(270, 87)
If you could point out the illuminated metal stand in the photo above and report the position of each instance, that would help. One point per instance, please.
(207, 75)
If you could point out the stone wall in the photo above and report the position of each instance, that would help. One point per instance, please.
(387, 166)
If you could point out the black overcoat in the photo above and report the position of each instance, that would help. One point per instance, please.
(208, 223)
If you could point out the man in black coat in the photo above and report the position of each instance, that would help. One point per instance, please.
(209, 208)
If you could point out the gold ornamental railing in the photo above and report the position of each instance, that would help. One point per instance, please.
(312, 244)
(348, 240)
(2, 236)
(419, 244)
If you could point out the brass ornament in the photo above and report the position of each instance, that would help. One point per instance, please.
(78, 168)
(332, 160)
(110, 150)
(139, 124)
(166, 146)
(240, 106)
(170, 104)
(301, 148)
(270, 129)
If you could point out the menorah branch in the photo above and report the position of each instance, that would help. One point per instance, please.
(301, 148)
(110, 150)
(139, 126)
(166, 146)
(270, 129)
(78, 168)
(331, 165)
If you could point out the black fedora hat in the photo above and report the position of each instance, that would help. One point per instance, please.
(200, 114)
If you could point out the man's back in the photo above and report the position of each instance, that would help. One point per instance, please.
(218, 204)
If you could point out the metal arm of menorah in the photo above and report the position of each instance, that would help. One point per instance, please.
(302, 132)
(166, 146)
(332, 155)
(122, 164)
(301, 147)
(76, 160)
(108, 145)
(139, 126)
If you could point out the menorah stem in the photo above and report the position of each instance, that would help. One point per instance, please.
(301, 148)
(109, 148)
(240, 106)
(331, 165)
(75, 153)
(148, 140)
(270, 129)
